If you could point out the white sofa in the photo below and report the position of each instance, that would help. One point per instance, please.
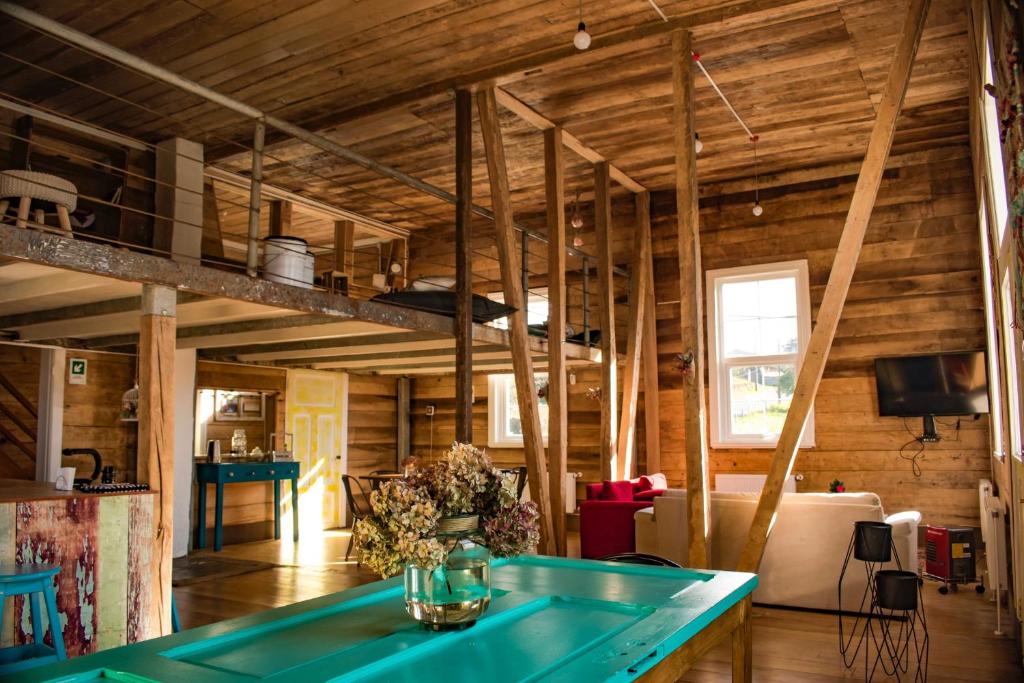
(805, 552)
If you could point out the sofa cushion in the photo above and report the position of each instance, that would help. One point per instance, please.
(617, 490)
(649, 494)
(640, 485)
(654, 481)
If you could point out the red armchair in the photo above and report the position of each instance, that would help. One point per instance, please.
(606, 516)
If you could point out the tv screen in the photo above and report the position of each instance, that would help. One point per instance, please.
(941, 384)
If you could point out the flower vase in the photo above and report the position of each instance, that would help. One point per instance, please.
(453, 595)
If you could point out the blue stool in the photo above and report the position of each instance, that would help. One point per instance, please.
(31, 580)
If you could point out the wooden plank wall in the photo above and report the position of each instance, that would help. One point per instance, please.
(916, 290)
(372, 424)
(92, 412)
(372, 433)
(248, 508)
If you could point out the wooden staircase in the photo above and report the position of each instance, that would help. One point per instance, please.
(18, 432)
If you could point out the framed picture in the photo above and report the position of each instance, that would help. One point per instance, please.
(238, 406)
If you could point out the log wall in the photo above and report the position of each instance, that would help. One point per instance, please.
(916, 290)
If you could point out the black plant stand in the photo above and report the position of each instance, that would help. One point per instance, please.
(885, 600)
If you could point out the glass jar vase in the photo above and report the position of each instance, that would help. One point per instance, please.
(455, 594)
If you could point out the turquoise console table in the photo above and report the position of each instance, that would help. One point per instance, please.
(551, 619)
(221, 473)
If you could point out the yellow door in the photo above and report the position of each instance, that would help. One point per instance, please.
(317, 418)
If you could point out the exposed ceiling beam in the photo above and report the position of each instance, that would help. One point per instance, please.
(326, 346)
(126, 304)
(97, 259)
(523, 66)
(400, 358)
(541, 122)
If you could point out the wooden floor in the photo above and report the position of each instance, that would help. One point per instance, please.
(789, 645)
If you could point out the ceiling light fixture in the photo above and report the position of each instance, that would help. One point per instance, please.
(582, 39)
(758, 209)
(576, 221)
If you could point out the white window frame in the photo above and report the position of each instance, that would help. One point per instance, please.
(497, 413)
(718, 367)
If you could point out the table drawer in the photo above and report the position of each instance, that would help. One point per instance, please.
(252, 471)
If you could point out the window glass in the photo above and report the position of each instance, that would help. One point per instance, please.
(759, 397)
(505, 426)
(758, 322)
(759, 317)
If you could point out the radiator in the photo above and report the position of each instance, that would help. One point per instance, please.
(750, 482)
(993, 534)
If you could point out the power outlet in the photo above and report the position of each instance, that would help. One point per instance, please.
(430, 410)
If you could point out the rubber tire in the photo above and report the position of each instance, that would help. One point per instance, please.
(979, 589)
(943, 590)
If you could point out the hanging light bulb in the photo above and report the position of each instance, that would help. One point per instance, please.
(757, 210)
(582, 39)
(698, 146)
(576, 219)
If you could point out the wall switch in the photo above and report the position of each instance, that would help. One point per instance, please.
(572, 378)
(430, 410)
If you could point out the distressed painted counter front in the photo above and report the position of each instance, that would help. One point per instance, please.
(102, 543)
(551, 619)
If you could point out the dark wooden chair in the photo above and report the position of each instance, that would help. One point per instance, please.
(520, 475)
(358, 506)
(640, 558)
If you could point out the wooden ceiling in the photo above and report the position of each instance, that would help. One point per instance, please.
(805, 75)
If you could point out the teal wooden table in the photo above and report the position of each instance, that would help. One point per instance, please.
(551, 619)
(221, 473)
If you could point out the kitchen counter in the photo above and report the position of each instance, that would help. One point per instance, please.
(80, 533)
(22, 490)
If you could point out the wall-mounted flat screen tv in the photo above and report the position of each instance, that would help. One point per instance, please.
(940, 384)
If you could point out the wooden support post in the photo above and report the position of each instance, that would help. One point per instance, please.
(155, 464)
(213, 241)
(652, 397)
(50, 415)
(857, 219)
(690, 298)
(558, 401)
(344, 247)
(606, 312)
(464, 266)
(178, 200)
(255, 195)
(522, 361)
(403, 395)
(280, 218)
(639, 283)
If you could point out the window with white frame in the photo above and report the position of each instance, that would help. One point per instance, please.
(504, 426)
(759, 323)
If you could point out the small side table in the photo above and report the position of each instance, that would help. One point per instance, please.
(221, 473)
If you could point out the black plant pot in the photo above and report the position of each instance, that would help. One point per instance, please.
(872, 541)
(896, 590)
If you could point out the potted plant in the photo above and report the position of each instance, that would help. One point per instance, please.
(440, 526)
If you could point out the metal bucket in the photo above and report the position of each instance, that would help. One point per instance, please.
(286, 260)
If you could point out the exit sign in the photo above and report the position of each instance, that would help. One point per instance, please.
(79, 370)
